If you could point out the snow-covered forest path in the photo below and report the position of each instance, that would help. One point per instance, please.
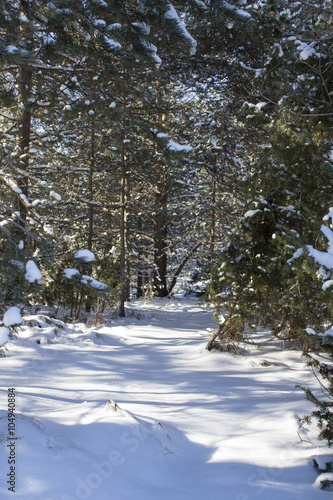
(181, 423)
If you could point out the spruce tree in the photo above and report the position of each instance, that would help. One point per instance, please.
(287, 189)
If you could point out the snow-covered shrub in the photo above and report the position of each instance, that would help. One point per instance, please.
(20, 281)
(73, 286)
(324, 466)
(321, 335)
(262, 280)
(11, 319)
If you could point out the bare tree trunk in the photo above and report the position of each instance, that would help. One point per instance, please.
(127, 234)
(123, 216)
(182, 265)
(24, 118)
(122, 240)
(213, 229)
(91, 184)
(139, 282)
(139, 285)
(219, 331)
(160, 242)
(161, 216)
(91, 193)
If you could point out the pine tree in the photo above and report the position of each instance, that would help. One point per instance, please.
(62, 57)
(287, 191)
(318, 266)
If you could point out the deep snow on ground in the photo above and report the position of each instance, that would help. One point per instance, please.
(138, 409)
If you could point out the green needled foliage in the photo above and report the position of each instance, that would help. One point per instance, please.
(268, 272)
(70, 136)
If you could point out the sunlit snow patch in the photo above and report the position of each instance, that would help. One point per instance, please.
(12, 316)
(95, 456)
(176, 148)
(70, 272)
(84, 255)
(4, 335)
(32, 273)
(88, 280)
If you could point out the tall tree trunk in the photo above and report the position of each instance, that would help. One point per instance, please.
(123, 215)
(24, 118)
(213, 228)
(141, 269)
(122, 238)
(127, 233)
(160, 242)
(161, 213)
(139, 279)
(24, 123)
(91, 193)
(139, 285)
(91, 184)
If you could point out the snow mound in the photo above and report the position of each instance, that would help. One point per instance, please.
(30, 431)
(12, 316)
(84, 255)
(4, 335)
(324, 481)
(90, 458)
(323, 463)
(139, 409)
(93, 283)
(176, 148)
(70, 272)
(42, 329)
(35, 444)
(32, 273)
